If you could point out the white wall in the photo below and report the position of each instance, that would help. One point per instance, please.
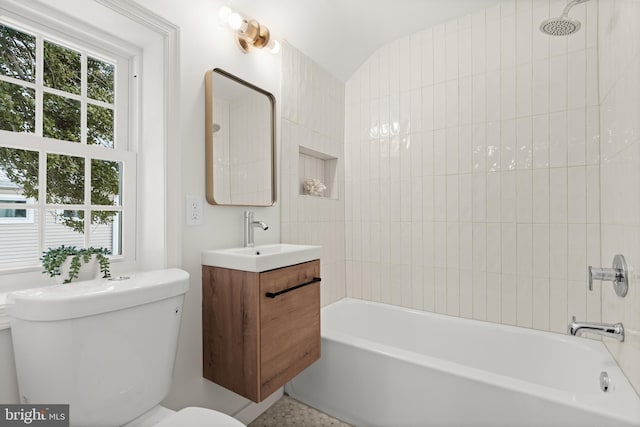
(619, 38)
(205, 45)
(444, 223)
(472, 169)
(313, 117)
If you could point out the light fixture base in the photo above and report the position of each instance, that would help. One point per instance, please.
(243, 44)
(263, 37)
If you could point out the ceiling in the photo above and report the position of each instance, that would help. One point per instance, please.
(341, 34)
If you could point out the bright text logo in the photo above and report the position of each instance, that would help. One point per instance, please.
(34, 415)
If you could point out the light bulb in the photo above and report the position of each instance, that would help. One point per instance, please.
(235, 21)
(224, 13)
(274, 46)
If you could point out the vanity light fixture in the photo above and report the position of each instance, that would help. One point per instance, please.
(249, 33)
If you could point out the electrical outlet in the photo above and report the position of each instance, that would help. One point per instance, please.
(193, 212)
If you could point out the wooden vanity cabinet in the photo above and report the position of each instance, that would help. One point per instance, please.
(259, 330)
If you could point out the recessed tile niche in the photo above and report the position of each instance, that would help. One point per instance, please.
(316, 165)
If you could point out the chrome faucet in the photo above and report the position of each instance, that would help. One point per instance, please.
(611, 330)
(249, 224)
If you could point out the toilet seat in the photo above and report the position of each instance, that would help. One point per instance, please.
(199, 417)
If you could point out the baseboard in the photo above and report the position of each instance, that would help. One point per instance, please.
(254, 410)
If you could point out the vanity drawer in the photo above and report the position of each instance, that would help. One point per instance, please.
(289, 323)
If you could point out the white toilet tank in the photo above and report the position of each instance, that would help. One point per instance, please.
(105, 347)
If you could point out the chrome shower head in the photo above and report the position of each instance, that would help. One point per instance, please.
(562, 25)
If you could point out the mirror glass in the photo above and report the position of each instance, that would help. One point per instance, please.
(240, 141)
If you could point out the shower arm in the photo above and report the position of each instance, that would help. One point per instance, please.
(567, 8)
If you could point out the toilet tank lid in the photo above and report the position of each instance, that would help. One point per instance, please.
(86, 298)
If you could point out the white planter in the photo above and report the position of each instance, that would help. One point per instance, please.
(88, 271)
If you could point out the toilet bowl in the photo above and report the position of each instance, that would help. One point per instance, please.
(187, 417)
(199, 417)
(105, 347)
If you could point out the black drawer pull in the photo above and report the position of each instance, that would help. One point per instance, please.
(293, 288)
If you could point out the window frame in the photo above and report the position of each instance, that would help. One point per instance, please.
(126, 98)
(154, 44)
(10, 199)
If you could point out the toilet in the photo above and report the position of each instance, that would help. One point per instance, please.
(107, 348)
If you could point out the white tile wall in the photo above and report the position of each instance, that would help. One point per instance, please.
(313, 116)
(482, 195)
(619, 67)
(473, 167)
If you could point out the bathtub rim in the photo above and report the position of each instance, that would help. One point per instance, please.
(588, 402)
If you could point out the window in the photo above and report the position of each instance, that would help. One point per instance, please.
(65, 155)
(15, 215)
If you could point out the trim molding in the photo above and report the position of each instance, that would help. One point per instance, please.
(171, 35)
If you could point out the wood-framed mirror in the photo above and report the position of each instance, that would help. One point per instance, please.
(240, 141)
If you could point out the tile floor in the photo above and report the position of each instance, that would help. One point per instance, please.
(288, 412)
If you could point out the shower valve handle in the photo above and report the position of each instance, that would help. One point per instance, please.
(618, 274)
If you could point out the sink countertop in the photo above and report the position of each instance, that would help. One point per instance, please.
(261, 258)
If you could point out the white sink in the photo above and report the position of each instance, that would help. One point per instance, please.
(261, 258)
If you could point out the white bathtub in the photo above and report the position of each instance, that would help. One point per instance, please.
(383, 365)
